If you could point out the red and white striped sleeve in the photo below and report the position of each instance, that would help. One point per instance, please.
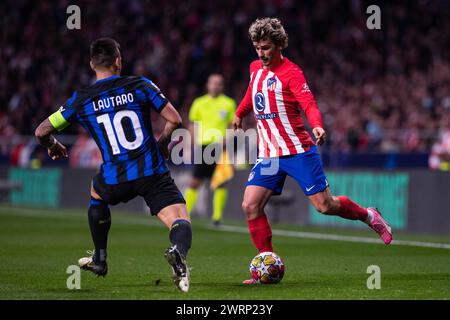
(302, 93)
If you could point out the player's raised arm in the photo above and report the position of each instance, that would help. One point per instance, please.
(302, 93)
(43, 133)
(58, 121)
(173, 121)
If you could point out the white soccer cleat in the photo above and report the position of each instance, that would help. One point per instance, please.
(83, 262)
(182, 282)
(88, 263)
(180, 269)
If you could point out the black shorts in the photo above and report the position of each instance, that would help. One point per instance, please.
(158, 191)
(204, 170)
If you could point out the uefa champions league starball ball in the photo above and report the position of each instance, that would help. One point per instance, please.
(267, 268)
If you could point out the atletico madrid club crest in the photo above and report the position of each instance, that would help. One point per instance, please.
(271, 84)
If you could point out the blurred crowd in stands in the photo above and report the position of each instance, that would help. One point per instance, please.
(384, 90)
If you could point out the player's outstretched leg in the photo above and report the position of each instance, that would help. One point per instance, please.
(176, 218)
(344, 207)
(99, 222)
(255, 199)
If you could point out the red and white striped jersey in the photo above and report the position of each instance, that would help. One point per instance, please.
(277, 97)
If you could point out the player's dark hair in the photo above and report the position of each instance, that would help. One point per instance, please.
(104, 52)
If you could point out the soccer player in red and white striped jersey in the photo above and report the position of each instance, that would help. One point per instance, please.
(277, 95)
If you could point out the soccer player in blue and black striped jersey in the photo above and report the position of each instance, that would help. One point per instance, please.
(115, 110)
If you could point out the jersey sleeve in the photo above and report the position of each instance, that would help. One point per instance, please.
(157, 100)
(62, 118)
(302, 93)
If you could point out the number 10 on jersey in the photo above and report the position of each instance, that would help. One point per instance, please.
(115, 131)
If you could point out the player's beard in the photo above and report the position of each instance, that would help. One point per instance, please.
(265, 61)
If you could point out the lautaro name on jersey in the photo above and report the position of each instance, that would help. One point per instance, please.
(119, 100)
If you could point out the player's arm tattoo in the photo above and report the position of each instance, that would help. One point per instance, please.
(44, 135)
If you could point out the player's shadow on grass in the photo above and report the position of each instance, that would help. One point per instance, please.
(160, 287)
(307, 283)
(239, 284)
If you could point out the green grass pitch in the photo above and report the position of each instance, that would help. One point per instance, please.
(37, 246)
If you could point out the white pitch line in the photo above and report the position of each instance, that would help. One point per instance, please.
(323, 236)
(278, 232)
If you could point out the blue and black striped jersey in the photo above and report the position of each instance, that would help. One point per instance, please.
(116, 113)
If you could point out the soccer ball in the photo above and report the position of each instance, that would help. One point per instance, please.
(267, 268)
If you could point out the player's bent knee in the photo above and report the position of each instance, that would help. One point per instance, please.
(172, 213)
(324, 207)
(178, 211)
(251, 209)
(320, 209)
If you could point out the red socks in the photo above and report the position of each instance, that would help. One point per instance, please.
(350, 210)
(261, 233)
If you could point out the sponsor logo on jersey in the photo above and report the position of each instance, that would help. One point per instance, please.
(260, 101)
(266, 116)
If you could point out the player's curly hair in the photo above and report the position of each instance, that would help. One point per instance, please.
(269, 28)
